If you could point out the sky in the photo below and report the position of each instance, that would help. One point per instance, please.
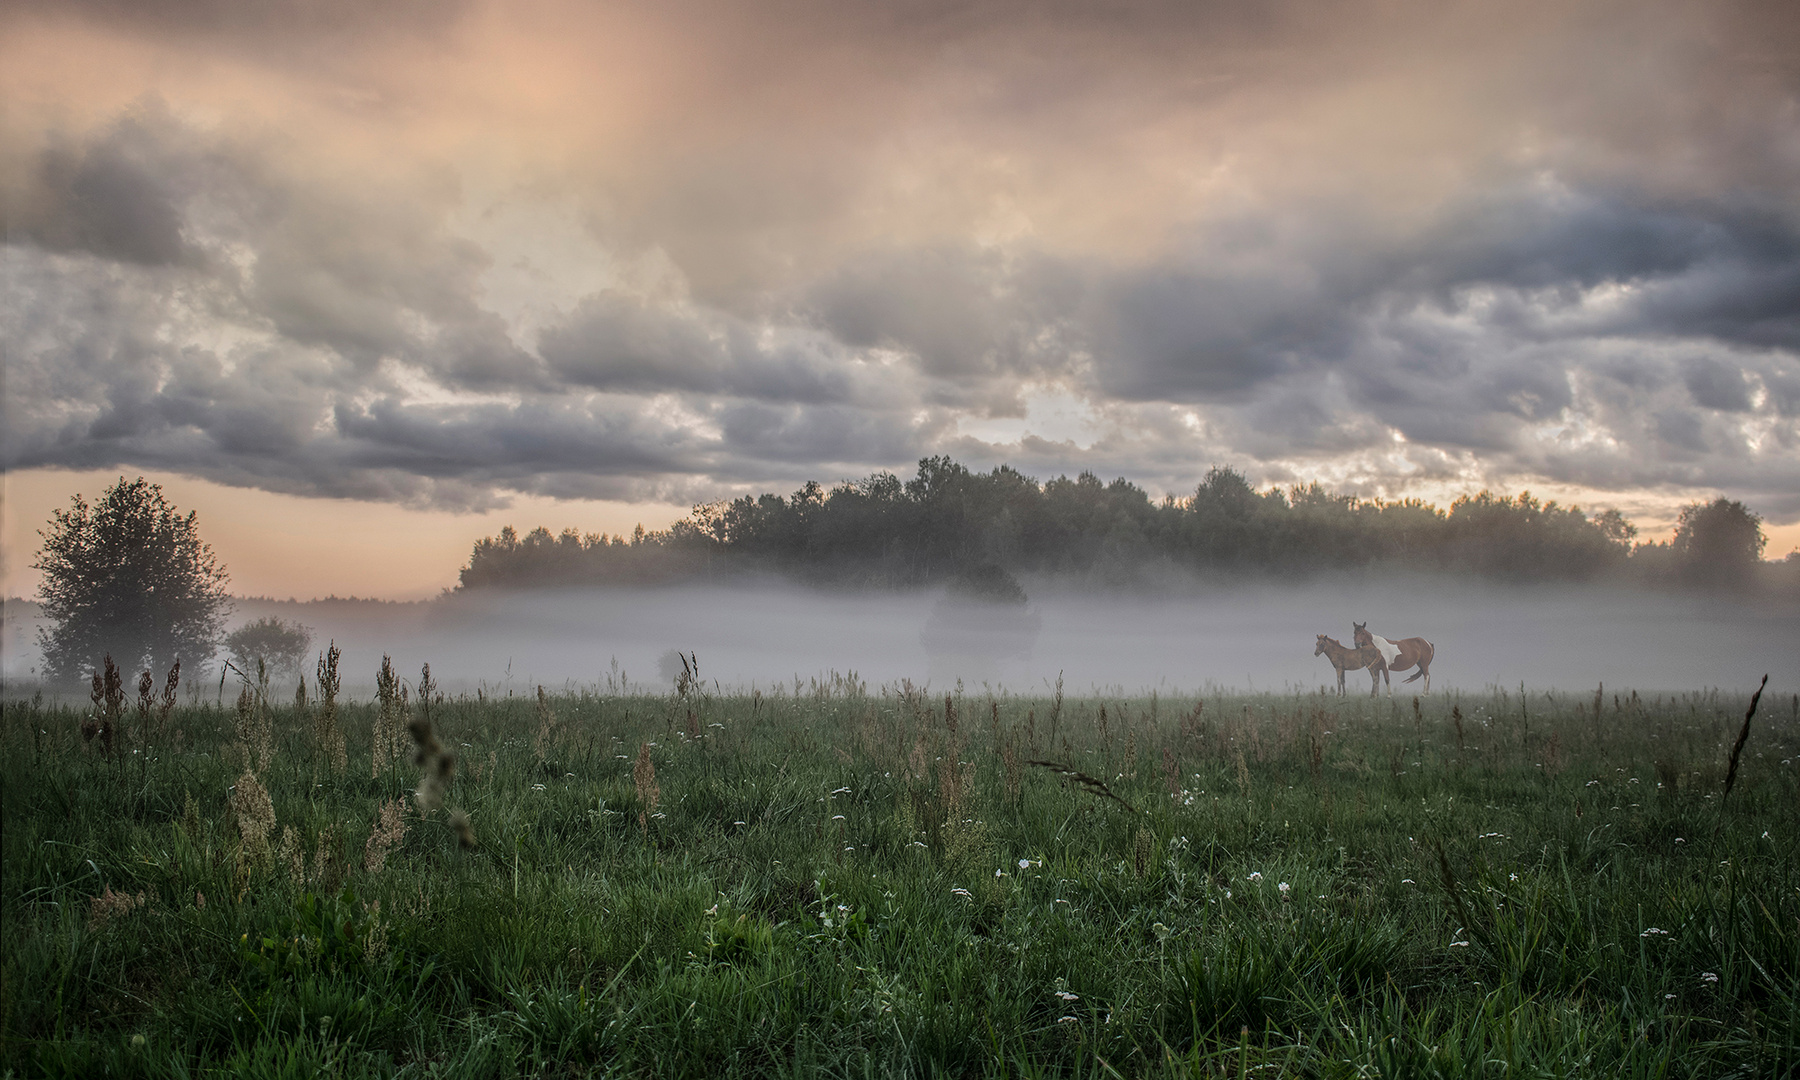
(361, 283)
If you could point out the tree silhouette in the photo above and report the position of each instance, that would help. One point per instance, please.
(127, 577)
(1717, 543)
(281, 646)
(950, 520)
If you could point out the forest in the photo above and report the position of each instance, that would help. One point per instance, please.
(949, 521)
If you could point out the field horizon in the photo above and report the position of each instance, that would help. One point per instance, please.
(1192, 636)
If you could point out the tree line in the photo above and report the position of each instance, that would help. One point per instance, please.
(948, 520)
(127, 579)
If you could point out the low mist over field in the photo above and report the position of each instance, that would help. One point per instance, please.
(1254, 637)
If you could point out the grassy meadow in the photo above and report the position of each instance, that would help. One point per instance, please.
(828, 879)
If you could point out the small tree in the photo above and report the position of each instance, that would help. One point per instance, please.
(130, 577)
(282, 646)
(1718, 543)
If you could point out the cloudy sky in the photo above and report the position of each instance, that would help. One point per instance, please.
(362, 282)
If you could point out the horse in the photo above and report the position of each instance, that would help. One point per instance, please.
(1399, 655)
(1344, 659)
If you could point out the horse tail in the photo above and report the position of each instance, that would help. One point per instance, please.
(1415, 676)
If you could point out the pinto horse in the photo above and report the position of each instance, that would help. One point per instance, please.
(1399, 655)
(1350, 660)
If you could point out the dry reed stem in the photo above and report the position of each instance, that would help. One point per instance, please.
(1092, 784)
(1743, 737)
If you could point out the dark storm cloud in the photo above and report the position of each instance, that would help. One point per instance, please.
(118, 197)
(956, 311)
(1717, 385)
(818, 437)
(1522, 264)
(881, 225)
(1443, 339)
(617, 341)
(310, 30)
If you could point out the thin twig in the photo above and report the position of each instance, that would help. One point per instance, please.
(1743, 737)
(1093, 784)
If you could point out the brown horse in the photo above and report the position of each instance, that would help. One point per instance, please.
(1399, 655)
(1350, 660)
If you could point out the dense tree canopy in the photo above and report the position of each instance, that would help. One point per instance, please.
(127, 577)
(948, 519)
(1717, 543)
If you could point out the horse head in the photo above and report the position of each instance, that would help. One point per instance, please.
(1319, 650)
(1361, 635)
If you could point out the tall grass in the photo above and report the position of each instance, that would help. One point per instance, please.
(827, 879)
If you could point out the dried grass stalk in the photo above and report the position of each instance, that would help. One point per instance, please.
(643, 774)
(328, 734)
(289, 855)
(1743, 737)
(390, 829)
(254, 812)
(388, 715)
(1092, 784)
(111, 905)
(167, 705)
(256, 738)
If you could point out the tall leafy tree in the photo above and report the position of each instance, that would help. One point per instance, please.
(1718, 543)
(128, 577)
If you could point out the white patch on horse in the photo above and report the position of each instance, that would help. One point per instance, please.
(1388, 649)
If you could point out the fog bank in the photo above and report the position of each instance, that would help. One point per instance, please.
(1250, 638)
